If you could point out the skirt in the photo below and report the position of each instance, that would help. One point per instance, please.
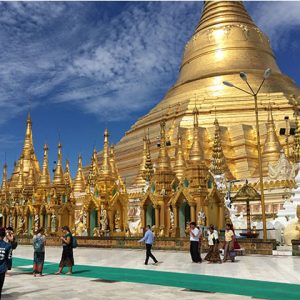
(67, 259)
(213, 254)
(38, 258)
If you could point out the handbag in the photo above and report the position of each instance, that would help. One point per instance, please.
(232, 253)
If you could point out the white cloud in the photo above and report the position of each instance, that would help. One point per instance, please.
(110, 65)
(277, 20)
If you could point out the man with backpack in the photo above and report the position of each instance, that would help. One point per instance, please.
(39, 242)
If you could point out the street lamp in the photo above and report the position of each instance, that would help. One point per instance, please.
(251, 92)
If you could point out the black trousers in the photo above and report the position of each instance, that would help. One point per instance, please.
(2, 277)
(194, 250)
(149, 254)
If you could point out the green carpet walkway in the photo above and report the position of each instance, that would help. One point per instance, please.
(205, 283)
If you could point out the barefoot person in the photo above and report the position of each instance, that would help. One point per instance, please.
(149, 240)
(67, 258)
(5, 257)
(194, 243)
(213, 254)
(39, 242)
(10, 239)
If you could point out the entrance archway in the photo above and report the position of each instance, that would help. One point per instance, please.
(65, 218)
(93, 220)
(150, 215)
(184, 217)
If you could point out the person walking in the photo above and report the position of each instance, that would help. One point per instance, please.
(194, 243)
(149, 240)
(213, 254)
(67, 258)
(228, 245)
(5, 257)
(39, 242)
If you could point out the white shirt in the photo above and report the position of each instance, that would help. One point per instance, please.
(211, 236)
(196, 232)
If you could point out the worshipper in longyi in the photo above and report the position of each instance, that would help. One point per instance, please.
(213, 254)
(67, 258)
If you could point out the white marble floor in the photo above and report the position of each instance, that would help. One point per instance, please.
(21, 286)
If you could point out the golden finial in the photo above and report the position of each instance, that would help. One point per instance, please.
(272, 147)
(79, 182)
(163, 162)
(106, 168)
(218, 163)
(196, 154)
(67, 175)
(45, 176)
(180, 164)
(296, 146)
(59, 173)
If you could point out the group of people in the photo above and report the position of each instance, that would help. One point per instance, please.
(215, 247)
(67, 257)
(8, 243)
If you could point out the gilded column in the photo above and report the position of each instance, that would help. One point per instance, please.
(156, 216)
(192, 211)
(49, 222)
(143, 217)
(59, 221)
(162, 215)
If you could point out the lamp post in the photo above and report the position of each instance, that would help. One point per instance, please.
(251, 92)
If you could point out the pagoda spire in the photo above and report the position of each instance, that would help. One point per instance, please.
(140, 177)
(4, 185)
(296, 146)
(79, 182)
(45, 176)
(95, 167)
(59, 173)
(272, 147)
(218, 162)
(106, 168)
(180, 165)
(163, 162)
(67, 175)
(28, 144)
(196, 154)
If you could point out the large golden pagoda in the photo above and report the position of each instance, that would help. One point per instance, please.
(225, 42)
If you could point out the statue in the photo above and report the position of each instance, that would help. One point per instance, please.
(201, 218)
(117, 221)
(80, 226)
(162, 231)
(53, 222)
(292, 230)
(96, 232)
(103, 220)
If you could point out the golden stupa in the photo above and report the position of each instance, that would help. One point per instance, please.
(225, 42)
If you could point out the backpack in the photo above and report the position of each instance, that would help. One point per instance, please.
(38, 245)
(74, 242)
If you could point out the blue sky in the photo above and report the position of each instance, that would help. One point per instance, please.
(83, 66)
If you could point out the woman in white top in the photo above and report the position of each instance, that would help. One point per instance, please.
(213, 255)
